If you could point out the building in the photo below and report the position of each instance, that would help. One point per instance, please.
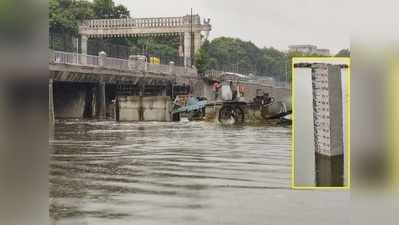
(323, 51)
(309, 49)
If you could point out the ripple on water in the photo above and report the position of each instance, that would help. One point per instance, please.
(113, 173)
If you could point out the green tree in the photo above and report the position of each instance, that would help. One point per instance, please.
(106, 9)
(121, 11)
(275, 63)
(64, 15)
(235, 55)
(202, 58)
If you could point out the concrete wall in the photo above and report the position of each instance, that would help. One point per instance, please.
(130, 108)
(156, 108)
(136, 108)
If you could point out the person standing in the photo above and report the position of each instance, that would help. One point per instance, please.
(216, 87)
(233, 90)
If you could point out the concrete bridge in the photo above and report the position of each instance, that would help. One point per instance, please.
(66, 66)
(86, 86)
(188, 28)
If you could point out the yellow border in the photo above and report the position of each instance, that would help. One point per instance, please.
(394, 124)
(343, 60)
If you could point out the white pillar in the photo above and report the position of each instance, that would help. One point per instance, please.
(181, 43)
(171, 68)
(187, 49)
(101, 58)
(83, 44)
(141, 63)
(197, 41)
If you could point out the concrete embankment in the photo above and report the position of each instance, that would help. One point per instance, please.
(136, 108)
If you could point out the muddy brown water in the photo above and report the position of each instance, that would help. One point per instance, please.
(179, 173)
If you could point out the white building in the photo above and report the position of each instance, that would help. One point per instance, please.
(308, 49)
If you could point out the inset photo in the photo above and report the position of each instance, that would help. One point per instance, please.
(321, 116)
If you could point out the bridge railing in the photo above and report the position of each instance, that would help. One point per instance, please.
(140, 22)
(69, 58)
(185, 71)
(157, 68)
(74, 58)
(114, 63)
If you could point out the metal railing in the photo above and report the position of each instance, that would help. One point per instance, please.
(74, 59)
(69, 58)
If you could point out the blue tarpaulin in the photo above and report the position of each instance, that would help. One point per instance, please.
(192, 105)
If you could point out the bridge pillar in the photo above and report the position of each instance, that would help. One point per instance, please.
(101, 102)
(164, 91)
(51, 101)
(141, 109)
(197, 41)
(187, 49)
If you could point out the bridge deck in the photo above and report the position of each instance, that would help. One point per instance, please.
(78, 67)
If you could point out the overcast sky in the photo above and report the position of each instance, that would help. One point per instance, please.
(276, 23)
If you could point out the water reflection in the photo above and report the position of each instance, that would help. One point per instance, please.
(163, 173)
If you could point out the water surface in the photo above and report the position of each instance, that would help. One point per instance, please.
(176, 173)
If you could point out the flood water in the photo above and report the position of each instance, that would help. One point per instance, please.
(179, 173)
